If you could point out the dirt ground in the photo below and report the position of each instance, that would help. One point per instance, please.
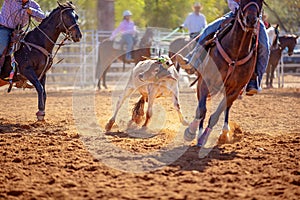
(56, 160)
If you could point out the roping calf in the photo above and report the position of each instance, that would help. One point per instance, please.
(153, 79)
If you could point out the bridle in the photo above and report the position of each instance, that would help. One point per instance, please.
(67, 29)
(233, 62)
(242, 18)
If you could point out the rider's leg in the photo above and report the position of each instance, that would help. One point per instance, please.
(192, 60)
(4, 39)
(262, 61)
(128, 38)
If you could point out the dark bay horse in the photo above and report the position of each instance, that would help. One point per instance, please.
(107, 55)
(227, 69)
(32, 57)
(287, 41)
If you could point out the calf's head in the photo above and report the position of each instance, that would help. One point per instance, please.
(155, 72)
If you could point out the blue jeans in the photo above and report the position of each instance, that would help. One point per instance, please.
(4, 38)
(263, 47)
(128, 39)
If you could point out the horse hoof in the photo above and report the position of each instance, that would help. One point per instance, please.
(224, 138)
(203, 138)
(40, 118)
(40, 115)
(188, 136)
(109, 125)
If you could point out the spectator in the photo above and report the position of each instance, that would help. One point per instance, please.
(195, 21)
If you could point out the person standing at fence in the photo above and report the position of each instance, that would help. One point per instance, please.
(195, 21)
(265, 20)
(128, 30)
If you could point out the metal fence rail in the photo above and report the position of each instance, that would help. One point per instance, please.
(80, 59)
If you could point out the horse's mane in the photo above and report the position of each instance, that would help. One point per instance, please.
(64, 5)
(289, 36)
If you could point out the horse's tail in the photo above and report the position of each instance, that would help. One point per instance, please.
(138, 111)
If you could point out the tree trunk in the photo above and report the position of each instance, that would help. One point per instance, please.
(106, 15)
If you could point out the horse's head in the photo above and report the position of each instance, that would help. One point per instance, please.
(290, 42)
(147, 39)
(68, 21)
(248, 13)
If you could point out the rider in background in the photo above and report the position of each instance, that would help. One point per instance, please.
(14, 14)
(265, 20)
(195, 21)
(263, 48)
(128, 30)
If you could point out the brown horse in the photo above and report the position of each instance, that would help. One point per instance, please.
(227, 68)
(287, 41)
(107, 55)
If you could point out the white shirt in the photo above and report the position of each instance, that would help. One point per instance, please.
(233, 5)
(195, 23)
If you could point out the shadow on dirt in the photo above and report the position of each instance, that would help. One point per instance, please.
(190, 160)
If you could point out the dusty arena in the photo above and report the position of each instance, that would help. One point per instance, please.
(52, 160)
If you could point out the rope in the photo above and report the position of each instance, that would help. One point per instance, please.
(188, 44)
(170, 34)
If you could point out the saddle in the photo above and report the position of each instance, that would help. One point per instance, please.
(14, 45)
(119, 44)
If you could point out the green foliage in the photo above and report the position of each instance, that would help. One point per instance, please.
(135, 6)
(288, 11)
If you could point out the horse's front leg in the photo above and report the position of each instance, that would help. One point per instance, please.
(190, 132)
(226, 103)
(224, 136)
(104, 77)
(272, 75)
(43, 82)
(29, 73)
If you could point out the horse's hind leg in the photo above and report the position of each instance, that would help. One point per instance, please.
(104, 77)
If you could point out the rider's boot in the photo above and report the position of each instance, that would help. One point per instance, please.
(194, 59)
(253, 86)
(183, 62)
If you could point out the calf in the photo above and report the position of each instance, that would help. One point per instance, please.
(153, 79)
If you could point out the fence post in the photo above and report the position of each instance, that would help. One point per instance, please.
(282, 71)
